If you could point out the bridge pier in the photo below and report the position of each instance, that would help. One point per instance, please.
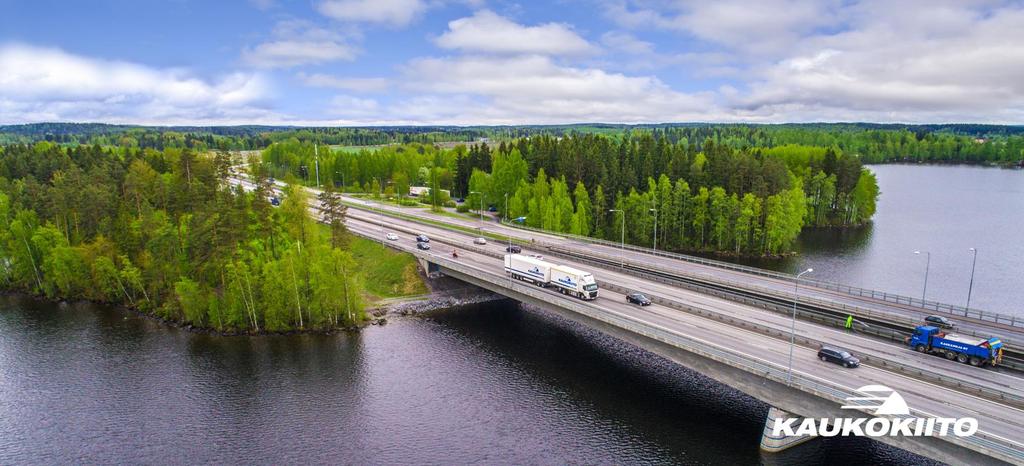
(775, 443)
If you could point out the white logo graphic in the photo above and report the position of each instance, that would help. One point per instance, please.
(891, 418)
(892, 404)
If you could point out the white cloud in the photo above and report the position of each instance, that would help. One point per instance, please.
(533, 89)
(944, 62)
(299, 43)
(350, 84)
(47, 84)
(760, 27)
(488, 32)
(626, 42)
(391, 12)
(869, 60)
(347, 106)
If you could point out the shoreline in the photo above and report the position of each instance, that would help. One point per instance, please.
(444, 295)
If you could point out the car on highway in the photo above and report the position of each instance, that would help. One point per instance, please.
(423, 246)
(479, 241)
(492, 209)
(274, 201)
(513, 249)
(939, 321)
(838, 356)
(422, 239)
(391, 237)
(638, 298)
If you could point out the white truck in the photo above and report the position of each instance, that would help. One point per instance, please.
(574, 282)
(528, 269)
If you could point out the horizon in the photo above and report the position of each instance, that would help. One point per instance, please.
(513, 125)
(459, 63)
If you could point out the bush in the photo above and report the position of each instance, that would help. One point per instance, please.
(408, 202)
(463, 208)
(449, 203)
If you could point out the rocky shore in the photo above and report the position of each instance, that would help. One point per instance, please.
(446, 293)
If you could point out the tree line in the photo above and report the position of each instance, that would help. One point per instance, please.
(708, 196)
(163, 232)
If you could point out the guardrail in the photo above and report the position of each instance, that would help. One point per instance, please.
(951, 309)
(981, 442)
(614, 262)
(897, 336)
(931, 376)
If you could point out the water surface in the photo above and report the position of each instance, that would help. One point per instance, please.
(490, 384)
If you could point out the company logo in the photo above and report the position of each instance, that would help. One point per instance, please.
(888, 407)
(892, 404)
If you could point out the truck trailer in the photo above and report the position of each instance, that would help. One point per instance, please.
(965, 349)
(528, 269)
(574, 282)
(566, 280)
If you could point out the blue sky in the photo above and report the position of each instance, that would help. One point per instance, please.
(368, 62)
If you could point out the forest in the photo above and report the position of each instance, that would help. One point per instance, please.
(714, 198)
(873, 143)
(162, 232)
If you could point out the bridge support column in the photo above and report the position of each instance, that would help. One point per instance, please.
(775, 443)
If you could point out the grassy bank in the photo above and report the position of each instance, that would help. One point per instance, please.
(387, 273)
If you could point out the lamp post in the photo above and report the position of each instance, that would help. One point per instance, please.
(792, 327)
(927, 266)
(504, 218)
(316, 159)
(481, 204)
(623, 246)
(971, 286)
(655, 228)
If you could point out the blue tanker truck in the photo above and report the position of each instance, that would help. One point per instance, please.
(973, 350)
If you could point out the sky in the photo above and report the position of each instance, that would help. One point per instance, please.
(495, 62)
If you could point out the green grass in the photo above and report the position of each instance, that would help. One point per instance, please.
(387, 273)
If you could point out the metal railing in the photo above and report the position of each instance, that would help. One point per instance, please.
(614, 262)
(981, 442)
(935, 306)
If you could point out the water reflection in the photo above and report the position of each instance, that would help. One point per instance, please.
(485, 384)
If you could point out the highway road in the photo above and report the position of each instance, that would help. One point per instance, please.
(998, 419)
(784, 287)
(1009, 382)
(995, 418)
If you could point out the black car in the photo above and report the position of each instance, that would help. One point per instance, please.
(514, 249)
(423, 246)
(422, 239)
(838, 356)
(939, 321)
(638, 298)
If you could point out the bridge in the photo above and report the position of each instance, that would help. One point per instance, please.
(739, 339)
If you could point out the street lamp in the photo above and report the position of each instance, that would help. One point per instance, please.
(927, 266)
(971, 286)
(792, 327)
(481, 204)
(623, 247)
(655, 228)
(504, 218)
(316, 159)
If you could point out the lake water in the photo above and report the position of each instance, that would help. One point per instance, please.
(491, 384)
(495, 384)
(945, 210)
